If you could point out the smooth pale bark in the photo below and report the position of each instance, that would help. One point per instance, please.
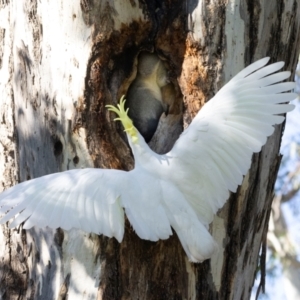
(60, 63)
(283, 247)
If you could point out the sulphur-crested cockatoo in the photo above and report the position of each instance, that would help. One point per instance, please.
(182, 189)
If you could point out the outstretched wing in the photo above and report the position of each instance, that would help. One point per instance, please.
(91, 200)
(87, 199)
(214, 153)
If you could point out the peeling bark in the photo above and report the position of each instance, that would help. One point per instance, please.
(60, 63)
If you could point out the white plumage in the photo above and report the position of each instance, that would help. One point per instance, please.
(182, 189)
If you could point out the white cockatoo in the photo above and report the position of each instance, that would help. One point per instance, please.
(182, 189)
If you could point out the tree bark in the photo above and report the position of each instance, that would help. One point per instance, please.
(61, 62)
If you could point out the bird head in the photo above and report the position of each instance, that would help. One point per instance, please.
(126, 121)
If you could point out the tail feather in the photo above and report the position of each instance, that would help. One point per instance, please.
(193, 235)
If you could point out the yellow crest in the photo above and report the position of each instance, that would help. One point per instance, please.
(123, 117)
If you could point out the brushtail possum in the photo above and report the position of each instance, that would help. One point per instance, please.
(144, 97)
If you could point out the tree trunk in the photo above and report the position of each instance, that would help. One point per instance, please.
(61, 62)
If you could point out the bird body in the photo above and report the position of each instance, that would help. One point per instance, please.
(182, 189)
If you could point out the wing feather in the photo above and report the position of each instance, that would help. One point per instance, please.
(21, 218)
(143, 206)
(266, 71)
(251, 68)
(68, 200)
(278, 88)
(193, 235)
(218, 145)
(91, 200)
(55, 214)
(68, 219)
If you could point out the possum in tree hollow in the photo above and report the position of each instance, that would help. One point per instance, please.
(144, 97)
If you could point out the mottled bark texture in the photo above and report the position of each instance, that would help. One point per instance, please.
(61, 62)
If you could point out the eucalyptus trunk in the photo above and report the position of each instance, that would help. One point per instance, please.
(61, 62)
